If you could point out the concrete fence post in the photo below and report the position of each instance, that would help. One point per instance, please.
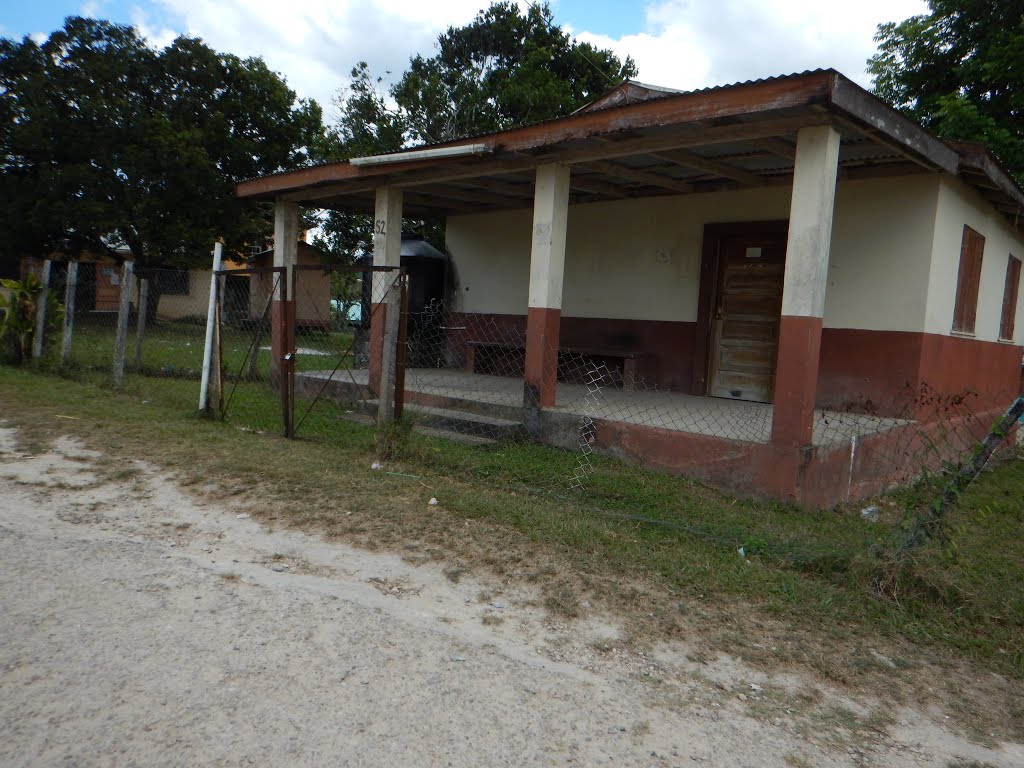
(140, 331)
(37, 338)
(70, 289)
(386, 396)
(124, 309)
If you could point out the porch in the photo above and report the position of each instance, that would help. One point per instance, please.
(501, 397)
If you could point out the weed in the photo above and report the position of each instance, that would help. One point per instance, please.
(455, 573)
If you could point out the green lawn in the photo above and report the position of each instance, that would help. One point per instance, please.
(175, 348)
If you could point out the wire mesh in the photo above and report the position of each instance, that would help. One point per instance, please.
(340, 332)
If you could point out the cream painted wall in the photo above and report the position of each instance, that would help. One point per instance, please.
(640, 259)
(959, 205)
(881, 250)
(631, 259)
(192, 304)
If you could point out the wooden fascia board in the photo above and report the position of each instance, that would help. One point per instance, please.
(876, 119)
(500, 163)
(682, 109)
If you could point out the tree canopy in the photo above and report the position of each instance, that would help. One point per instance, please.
(959, 70)
(506, 68)
(105, 141)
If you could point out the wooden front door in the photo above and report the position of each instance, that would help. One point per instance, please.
(745, 316)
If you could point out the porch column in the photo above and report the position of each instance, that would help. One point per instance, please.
(282, 308)
(387, 252)
(547, 265)
(803, 293)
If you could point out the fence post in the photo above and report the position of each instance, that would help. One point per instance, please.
(386, 397)
(402, 346)
(70, 288)
(140, 331)
(204, 384)
(124, 308)
(217, 372)
(37, 339)
(286, 332)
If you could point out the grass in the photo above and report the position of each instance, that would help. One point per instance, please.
(659, 551)
(175, 348)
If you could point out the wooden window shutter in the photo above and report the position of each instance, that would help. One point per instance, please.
(1010, 290)
(968, 281)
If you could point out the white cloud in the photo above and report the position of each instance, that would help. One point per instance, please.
(697, 43)
(315, 43)
(156, 36)
(683, 44)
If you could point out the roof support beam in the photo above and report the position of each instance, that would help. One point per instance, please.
(643, 177)
(718, 168)
(778, 147)
(597, 187)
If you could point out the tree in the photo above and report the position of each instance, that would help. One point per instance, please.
(105, 141)
(959, 71)
(504, 69)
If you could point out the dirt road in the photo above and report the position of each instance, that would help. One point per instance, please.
(142, 627)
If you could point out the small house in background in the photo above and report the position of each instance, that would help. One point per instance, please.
(313, 289)
(185, 293)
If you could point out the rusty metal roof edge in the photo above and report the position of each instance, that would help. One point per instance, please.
(494, 134)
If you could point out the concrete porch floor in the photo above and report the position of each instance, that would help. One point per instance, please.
(675, 411)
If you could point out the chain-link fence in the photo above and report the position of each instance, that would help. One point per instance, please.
(312, 362)
(337, 347)
(116, 321)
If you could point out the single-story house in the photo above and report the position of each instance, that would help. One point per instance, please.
(769, 250)
(184, 293)
(312, 301)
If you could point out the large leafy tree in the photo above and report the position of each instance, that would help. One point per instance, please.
(105, 141)
(508, 67)
(959, 70)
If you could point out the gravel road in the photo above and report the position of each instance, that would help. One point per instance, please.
(141, 626)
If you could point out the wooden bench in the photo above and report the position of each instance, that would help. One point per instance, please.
(631, 359)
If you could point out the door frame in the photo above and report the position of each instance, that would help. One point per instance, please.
(710, 270)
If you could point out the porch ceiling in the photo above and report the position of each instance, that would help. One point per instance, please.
(735, 137)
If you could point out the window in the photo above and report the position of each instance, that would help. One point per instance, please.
(1010, 298)
(968, 281)
(173, 282)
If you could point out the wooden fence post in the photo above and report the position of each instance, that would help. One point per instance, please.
(140, 331)
(37, 338)
(124, 309)
(69, 312)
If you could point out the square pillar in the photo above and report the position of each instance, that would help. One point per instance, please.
(803, 293)
(387, 252)
(282, 308)
(547, 267)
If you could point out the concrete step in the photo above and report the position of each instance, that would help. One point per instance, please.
(456, 437)
(473, 424)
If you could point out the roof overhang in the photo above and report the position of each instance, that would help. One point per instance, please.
(730, 137)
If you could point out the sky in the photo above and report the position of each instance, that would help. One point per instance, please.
(676, 43)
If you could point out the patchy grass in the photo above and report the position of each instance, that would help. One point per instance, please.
(659, 551)
(175, 348)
